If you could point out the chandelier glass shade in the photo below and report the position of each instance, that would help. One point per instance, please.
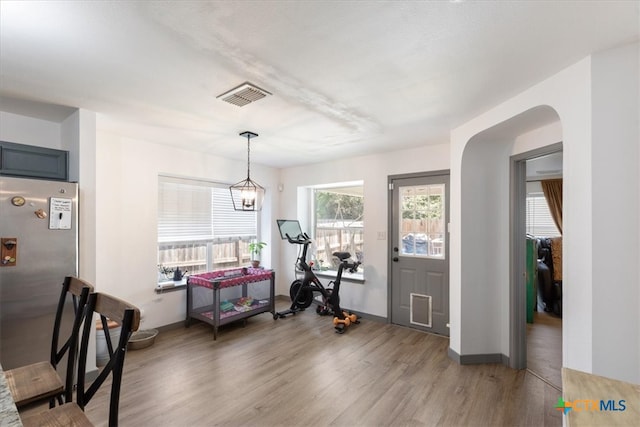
(247, 195)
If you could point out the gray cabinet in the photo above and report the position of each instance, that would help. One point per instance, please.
(29, 161)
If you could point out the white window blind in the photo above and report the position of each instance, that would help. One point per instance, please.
(539, 220)
(227, 222)
(198, 210)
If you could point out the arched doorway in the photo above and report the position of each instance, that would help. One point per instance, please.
(492, 249)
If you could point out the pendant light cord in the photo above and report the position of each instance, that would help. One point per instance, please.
(248, 157)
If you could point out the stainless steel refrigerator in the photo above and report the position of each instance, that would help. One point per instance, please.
(38, 248)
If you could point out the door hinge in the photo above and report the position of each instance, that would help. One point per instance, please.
(391, 186)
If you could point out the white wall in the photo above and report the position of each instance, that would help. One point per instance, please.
(30, 131)
(126, 211)
(539, 137)
(485, 227)
(586, 133)
(370, 297)
(70, 141)
(616, 279)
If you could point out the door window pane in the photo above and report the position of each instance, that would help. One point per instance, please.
(422, 217)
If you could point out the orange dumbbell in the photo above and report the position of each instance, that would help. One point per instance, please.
(346, 321)
(352, 317)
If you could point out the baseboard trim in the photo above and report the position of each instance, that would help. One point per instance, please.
(453, 355)
(361, 315)
(367, 316)
(171, 326)
(478, 359)
(91, 375)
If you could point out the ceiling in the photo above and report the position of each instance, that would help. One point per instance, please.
(347, 78)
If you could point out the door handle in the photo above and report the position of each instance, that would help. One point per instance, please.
(395, 259)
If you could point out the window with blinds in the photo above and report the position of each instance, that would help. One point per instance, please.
(198, 230)
(539, 220)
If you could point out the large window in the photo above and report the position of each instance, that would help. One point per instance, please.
(338, 223)
(198, 230)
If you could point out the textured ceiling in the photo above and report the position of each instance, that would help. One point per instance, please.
(347, 78)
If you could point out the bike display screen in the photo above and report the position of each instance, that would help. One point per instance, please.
(290, 227)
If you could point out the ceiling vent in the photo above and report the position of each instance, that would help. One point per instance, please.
(244, 94)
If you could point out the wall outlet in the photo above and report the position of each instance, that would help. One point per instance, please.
(382, 235)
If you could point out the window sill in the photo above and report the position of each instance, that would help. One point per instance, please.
(346, 277)
(171, 286)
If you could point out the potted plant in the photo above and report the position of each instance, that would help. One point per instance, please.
(255, 248)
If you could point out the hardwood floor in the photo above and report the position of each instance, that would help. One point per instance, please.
(544, 347)
(298, 372)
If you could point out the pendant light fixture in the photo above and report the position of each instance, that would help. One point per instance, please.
(247, 195)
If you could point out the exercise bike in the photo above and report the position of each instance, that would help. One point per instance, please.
(302, 291)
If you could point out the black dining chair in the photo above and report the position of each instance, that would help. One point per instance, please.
(40, 381)
(72, 413)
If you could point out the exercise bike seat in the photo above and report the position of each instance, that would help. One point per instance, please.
(342, 255)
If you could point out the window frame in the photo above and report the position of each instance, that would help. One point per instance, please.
(327, 269)
(209, 242)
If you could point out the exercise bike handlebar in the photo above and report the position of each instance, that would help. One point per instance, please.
(301, 239)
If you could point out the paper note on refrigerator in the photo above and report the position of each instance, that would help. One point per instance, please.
(60, 214)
